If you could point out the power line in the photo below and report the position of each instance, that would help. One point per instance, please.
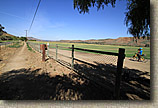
(34, 15)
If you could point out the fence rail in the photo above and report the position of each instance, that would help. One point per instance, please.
(67, 57)
(5, 44)
(95, 51)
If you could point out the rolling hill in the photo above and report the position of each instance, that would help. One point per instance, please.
(6, 36)
(128, 41)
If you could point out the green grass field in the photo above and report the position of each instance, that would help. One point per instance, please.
(129, 50)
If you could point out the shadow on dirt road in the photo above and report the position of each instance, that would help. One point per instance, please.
(25, 84)
(28, 85)
(135, 84)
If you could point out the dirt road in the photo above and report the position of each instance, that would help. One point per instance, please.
(25, 76)
(18, 61)
(103, 59)
(99, 59)
(25, 59)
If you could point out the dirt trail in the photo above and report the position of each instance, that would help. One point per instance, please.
(92, 58)
(32, 79)
(18, 61)
(103, 59)
(25, 59)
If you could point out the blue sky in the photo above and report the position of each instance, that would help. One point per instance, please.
(57, 20)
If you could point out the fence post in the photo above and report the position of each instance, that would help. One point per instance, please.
(72, 56)
(38, 44)
(121, 57)
(43, 52)
(56, 51)
(47, 49)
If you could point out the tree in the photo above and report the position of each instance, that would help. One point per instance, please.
(1, 29)
(137, 18)
(83, 5)
(23, 38)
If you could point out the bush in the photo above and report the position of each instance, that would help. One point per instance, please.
(147, 45)
(32, 40)
(23, 38)
(1, 33)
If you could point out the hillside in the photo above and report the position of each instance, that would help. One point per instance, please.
(129, 41)
(35, 39)
(32, 38)
(6, 36)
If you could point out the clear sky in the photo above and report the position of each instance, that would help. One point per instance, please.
(57, 20)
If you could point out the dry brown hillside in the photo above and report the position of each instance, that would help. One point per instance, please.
(129, 41)
(6, 34)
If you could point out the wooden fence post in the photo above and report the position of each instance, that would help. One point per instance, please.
(56, 51)
(72, 56)
(47, 49)
(121, 57)
(43, 52)
(38, 47)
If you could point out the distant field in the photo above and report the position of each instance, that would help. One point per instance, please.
(8, 41)
(129, 51)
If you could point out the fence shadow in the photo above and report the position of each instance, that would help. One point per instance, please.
(134, 85)
(25, 84)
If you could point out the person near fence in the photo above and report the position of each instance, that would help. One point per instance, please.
(139, 54)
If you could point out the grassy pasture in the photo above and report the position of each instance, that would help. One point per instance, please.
(129, 50)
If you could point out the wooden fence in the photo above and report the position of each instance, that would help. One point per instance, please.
(120, 60)
(5, 44)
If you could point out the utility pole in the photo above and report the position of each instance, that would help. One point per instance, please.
(26, 35)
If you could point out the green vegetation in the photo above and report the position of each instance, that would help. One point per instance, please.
(129, 50)
(29, 48)
(22, 38)
(6, 41)
(15, 45)
(32, 40)
(8, 37)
